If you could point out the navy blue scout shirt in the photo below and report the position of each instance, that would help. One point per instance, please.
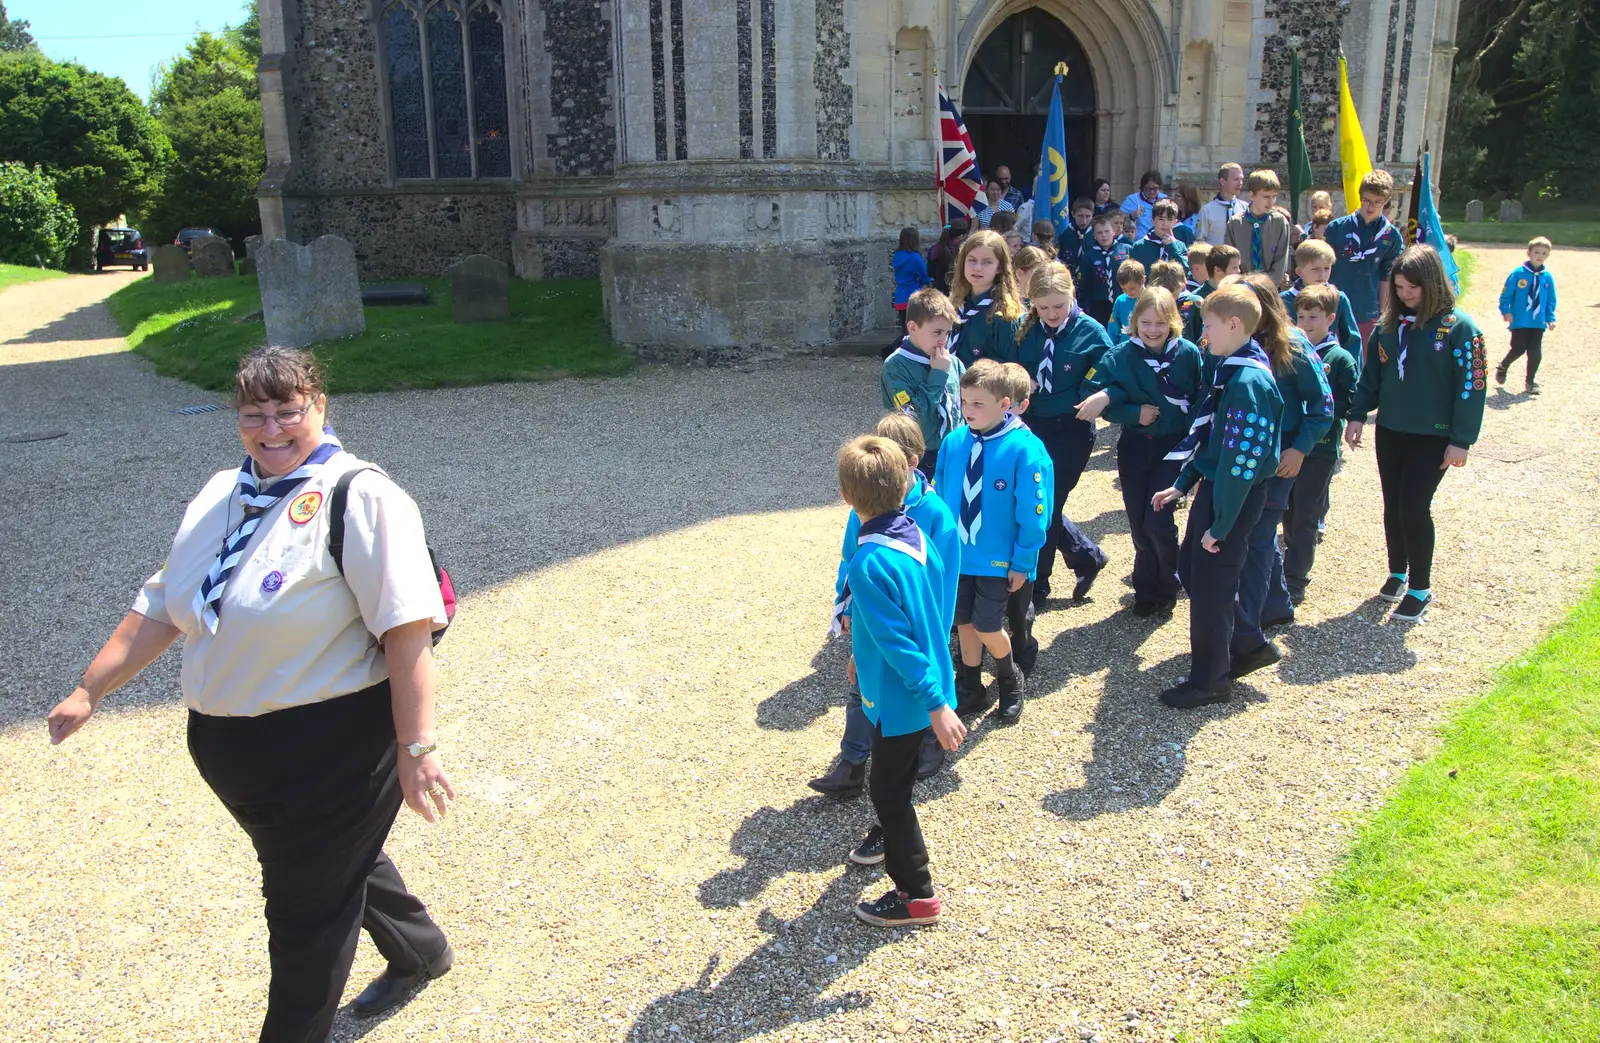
(1074, 350)
(1097, 270)
(1365, 251)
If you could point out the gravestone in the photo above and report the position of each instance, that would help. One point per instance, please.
(479, 288)
(309, 293)
(171, 264)
(1474, 211)
(1510, 210)
(1530, 191)
(212, 257)
(252, 243)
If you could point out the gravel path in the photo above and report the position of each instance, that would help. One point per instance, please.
(637, 690)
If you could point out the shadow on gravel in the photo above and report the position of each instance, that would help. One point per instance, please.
(1343, 646)
(87, 322)
(1503, 399)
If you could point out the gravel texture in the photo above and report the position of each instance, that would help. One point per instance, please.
(637, 688)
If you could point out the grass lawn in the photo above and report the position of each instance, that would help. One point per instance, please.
(1563, 225)
(11, 274)
(196, 331)
(1469, 909)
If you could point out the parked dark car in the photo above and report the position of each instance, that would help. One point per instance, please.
(121, 246)
(188, 235)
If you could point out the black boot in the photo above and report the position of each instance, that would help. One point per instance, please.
(842, 780)
(1011, 689)
(972, 697)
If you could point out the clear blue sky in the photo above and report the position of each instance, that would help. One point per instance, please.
(126, 38)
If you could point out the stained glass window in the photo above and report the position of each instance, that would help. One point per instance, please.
(490, 117)
(447, 88)
(402, 45)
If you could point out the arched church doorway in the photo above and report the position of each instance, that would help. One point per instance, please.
(1005, 97)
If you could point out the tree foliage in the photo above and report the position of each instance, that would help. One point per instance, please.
(35, 225)
(89, 132)
(1523, 100)
(14, 35)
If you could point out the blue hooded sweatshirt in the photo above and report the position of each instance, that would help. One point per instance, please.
(910, 274)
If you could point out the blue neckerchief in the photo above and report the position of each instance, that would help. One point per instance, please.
(1200, 428)
(1255, 237)
(1161, 363)
(1533, 285)
(1330, 341)
(1045, 374)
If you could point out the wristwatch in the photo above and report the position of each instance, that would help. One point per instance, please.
(416, 749)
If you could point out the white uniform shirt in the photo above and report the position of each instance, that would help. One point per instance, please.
(291, 630)
(1211, 223)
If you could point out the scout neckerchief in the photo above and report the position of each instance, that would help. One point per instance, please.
(971, 517)
(1533, 286)
(1161, 363)
(1365, 248)
(1255, 238)
(948, 403)
(1407, 320)
(1045, 375)
(1330, 341)
(256, 502)
(1102, 269)
(895, 530)
(1200, 428)
(967, 312)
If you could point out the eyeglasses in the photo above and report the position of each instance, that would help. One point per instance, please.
(284, 417)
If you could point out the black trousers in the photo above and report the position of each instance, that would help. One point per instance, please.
(894, 775)
(1409, 471)
(1143, 471)
(316, 789)
(1069, 441)
(1212, 580)
(1308, 503)
(1525, 342)
(1099, 311)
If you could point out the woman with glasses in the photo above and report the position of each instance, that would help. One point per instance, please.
(310, 692)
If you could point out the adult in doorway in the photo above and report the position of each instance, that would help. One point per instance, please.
(1138, 204)
(309, 682)
(1013, 195)
(1101, 194)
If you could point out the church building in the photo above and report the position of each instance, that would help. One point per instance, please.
(736, 172)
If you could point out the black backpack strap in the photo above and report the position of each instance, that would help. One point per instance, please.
(336, 506)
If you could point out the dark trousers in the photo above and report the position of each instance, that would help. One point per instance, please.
(316, 789)
(1525, 342)
(1261, 578)
(1069, 441)
(1308, 504)
(929, 463)
(1409, 471)
(894, 775)
(1143, 471)
(1099, 311)
(1212, 581)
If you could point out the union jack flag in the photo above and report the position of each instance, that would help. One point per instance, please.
(959, 178)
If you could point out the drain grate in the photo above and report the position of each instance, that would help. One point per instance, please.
(209, 407)
(33, 436)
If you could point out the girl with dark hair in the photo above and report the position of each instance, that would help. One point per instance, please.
(943, 253)
(910, 271)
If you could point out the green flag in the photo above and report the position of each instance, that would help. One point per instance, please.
(1299, 162)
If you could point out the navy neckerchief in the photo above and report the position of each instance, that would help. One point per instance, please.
(1250, 354)
(1533, 285)
(969, 519)
(1045, 374)
(1365, 247)
(965, 312)
(1403, 327)
(1330, 341)
(256, 501)
(948, 403)
(896, 531)
(1161, 362)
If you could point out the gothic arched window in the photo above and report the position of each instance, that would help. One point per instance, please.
(445, 63)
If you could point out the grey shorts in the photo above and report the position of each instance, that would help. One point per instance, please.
(981, 601)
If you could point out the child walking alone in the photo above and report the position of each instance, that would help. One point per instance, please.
(1528, 306)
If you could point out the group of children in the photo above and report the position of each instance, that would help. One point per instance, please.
(1233, 389)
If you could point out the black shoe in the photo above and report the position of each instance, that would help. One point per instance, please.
(1392, 590)
(1500, 375)
(1279, 621)
(1412, 609)
(930, 760)
(1297, 597)
(1011, 690)
(1041, 593)
(1164, 606)
(1080, 590)
(390, 990)
(1144, 609)
(842, 780)
(972, 697)
(870, 851)
(1186, 696)
(1025, 655)
(1531, 389)
(1249, 662)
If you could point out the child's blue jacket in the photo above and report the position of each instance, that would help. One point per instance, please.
(1015, 501)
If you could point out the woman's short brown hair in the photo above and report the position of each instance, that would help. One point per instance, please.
(277, 375)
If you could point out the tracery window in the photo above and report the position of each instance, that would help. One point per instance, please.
(445, 62)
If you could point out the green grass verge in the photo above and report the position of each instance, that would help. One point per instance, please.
(11, 274)
(196, 331)
(1467, 261)
(1469, 908)
(1562, 224)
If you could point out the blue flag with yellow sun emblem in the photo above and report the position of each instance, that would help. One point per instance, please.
(1050, 197)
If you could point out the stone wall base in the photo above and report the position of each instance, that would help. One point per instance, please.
(404, 234)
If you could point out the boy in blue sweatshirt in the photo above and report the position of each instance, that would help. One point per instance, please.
(1232, 448)
(1528, 306)
(992, 477)
(1131, 277)
(921, 378)
(900, 645)
(848, 775)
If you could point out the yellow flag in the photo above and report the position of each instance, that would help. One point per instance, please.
(1353, 155)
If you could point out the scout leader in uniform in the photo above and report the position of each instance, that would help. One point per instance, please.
(310, 693)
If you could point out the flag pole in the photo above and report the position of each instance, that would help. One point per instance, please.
(938, 155)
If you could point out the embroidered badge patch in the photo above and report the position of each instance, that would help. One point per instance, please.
(1000, 485)
(272, 582)
(1038, 509)
(305, 507)
(901, 398)
(1522, 284)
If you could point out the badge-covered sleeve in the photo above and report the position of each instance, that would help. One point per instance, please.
(386, 558)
